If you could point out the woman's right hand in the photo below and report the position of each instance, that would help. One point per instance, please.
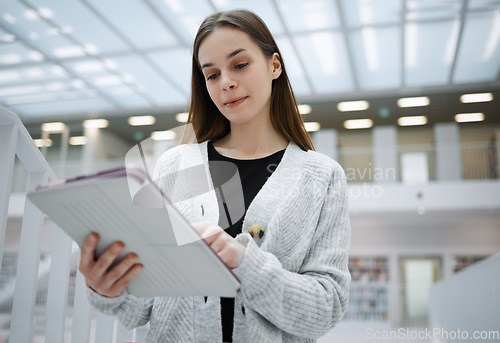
(98, 276)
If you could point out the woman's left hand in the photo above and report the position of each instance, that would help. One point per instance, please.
(229, 250)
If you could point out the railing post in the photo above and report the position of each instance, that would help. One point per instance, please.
(81, 311)
(8, 139)
(105, 327)
(57, 294)
(21, 329)
(325, 141)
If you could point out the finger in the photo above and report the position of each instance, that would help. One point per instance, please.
(119, 270)
(211, 233)
(87, 254)
(220, 241)
(118, 287)
(107, 258)
(200, 227)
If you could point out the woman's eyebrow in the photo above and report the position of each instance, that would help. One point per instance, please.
(231, 55)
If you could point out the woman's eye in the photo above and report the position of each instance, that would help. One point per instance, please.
(212, 77)
(241, 66)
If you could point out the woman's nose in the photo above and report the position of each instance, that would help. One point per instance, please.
(228, 83)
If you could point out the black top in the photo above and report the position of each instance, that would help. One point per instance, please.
(253, 174)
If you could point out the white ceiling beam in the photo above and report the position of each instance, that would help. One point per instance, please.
(294, 47)
(402, 80)
(463, 12)
(347, 40)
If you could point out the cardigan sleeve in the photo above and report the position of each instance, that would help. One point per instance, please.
(310, 302)
(131, 311)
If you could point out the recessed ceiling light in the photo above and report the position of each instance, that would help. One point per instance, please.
(9, 75)
(412, 121)
(45, 12)
(312, 126)
(15, 90)
(33, 35)
(89, 66)
(10, 59)
(477, 97)
(78, 140)
(33, 72)
(36, 56)
(141, 120)
(53, 127)
(95, 123)
(110, 64)
(91, 49)
(43, 142)
(128, 78)
(66, 29)
(111, 80)
(348, 106)
(55, 86)
(304, 109)
(8, 38)
(163, 135)
(77, 84)
(469, 117)
(69, 51)
(358, 124)
(9, 18)
(182, 117)
(413, 102)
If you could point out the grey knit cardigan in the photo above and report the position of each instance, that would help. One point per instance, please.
(294, 280)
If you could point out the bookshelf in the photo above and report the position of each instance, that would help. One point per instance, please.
(463, 261)
(369, 294)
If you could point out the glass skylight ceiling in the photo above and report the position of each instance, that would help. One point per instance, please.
(80, 57)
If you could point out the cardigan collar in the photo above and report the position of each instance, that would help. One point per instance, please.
(282, 182)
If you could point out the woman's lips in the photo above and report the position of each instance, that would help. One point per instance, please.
(235, 102)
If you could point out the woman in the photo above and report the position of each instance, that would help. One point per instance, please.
(290, 250)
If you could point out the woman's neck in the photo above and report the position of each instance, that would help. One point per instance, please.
(244, 142)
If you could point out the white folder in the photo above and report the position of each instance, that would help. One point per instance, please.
(122, 205)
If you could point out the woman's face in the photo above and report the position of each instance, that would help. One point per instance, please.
(237, 74)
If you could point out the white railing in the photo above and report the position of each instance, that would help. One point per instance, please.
(478, 161)
(34, 285)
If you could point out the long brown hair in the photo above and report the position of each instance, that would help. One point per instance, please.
(208, 123)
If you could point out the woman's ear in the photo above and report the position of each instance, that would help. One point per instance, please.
(276, 63)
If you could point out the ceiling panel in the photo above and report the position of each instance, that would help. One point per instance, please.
(264, 8)
(479, 54)
(81, 105)
(370, 12)
(35, 31)
(183, 16)
(39, 71)
(303, 16)
(432, 9)
(483, 5)
(176, 63)
(429, 61)
(293, 67)
(78, 22)
(14, 53)
(150, 81)
(324, 57)
(377, 55)
(124, 15)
